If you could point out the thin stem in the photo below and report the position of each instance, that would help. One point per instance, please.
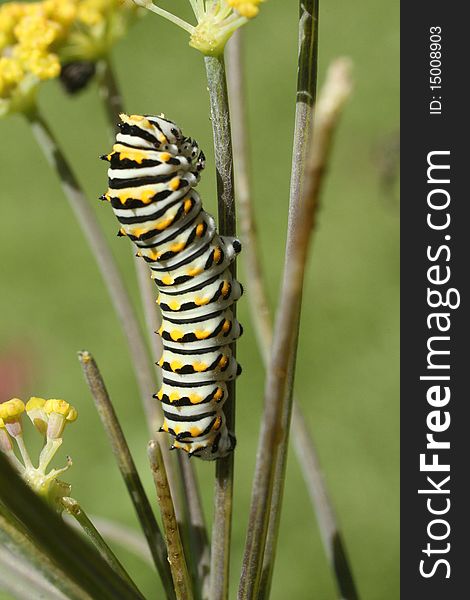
(273, 438)
(23, 451)
(127, 468)
(199, 549)
(176, 558)
(105, 260)
(184, 503)
(223, 497)
(120, 534)
(74, 559)
(73, 508)
(148, 4)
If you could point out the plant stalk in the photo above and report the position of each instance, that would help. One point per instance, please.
(223, 496)
(73, 508)
(176, 558)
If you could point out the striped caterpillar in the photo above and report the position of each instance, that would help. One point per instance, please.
(152, 175)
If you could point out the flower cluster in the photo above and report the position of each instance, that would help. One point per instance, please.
(217, 20)
(37, 38)
(50, 418)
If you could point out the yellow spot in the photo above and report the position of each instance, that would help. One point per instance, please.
(217, 424)
(174, 184)
(200, 301)
(160, 331)
(167, 280)
(223, 361)
(165, 426)
(177, 247)
(195, 431)
(138, 231)
(175, 365)
(199, 366)
(226, 326)
(202, 335)
(174, 396)
(200, 229)
(176, 334)
(165, 156)
(174, 305)
(225, 289)
(219, 393)
(135, 154)
(152, 254)
(160, 394)
(161, 225)
(161, 361)
(188, 204)
(144, 195)
(195, 398)
(195, 271)
(217, 255)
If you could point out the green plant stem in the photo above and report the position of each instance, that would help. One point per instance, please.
(21, 579)
(127, 468)
(32, 565)
(188, 506)
(105, 260)
(73, 508)
(223, 497)
(259, 305)
(55, 543)
(176, 558)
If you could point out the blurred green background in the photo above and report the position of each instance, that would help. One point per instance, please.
(53, 301)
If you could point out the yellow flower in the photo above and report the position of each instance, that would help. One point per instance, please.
(11, 410)
(36, 38)
(248, 9)
(49, 417)
(216, 21)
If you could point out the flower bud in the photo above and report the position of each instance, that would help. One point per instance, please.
(37, 414)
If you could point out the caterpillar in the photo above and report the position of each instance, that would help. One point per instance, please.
(153, 171)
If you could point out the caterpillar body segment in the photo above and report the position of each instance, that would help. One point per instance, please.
(153, 171)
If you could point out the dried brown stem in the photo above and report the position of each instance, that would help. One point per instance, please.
(127, 468)
(278, 390)
(176, 558)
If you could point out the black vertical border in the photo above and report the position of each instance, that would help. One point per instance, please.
(420, 134)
